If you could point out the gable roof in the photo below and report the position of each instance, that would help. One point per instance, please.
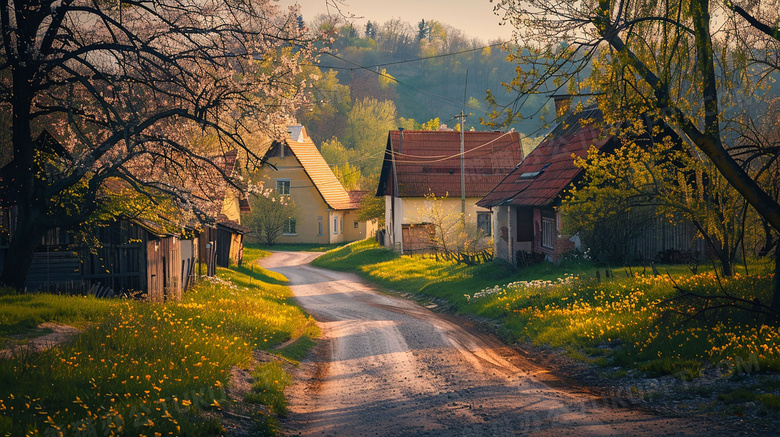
(317, 169)
(429, 162)
(549, 168)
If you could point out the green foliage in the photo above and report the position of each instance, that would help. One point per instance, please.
(372, 208)
(271, 216)
(624, 190)
(349, 176)
(328, 117)
(358, 109)
(268, 388)
(367, 125)
(356, 158)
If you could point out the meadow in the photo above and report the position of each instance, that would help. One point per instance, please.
(631, 318)
(151, 369)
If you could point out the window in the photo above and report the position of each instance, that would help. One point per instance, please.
(484, 224)
(319, 226)
(548, 231)
(289, 227)
(356, 225)
(341, 225)
(335, 225)
(283, 187)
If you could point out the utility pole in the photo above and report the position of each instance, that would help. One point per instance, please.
(395, 194)
(462, 118)
(463, 155)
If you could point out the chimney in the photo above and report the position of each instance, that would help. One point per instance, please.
(562, 104)
(401, 143)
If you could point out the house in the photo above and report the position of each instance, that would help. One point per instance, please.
(223, 237)
(525, 203)
(327, 212)
(423, 163)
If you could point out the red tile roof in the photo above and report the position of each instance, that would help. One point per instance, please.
(549, 168)
(429, 162)
(356, 196)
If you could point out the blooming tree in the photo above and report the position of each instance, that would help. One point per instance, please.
(126, 89)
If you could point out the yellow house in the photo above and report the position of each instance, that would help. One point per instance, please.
(327, 212)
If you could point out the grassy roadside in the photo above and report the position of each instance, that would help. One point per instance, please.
(146, 368)
(625, 321)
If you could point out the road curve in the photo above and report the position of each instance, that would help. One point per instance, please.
(387, 366)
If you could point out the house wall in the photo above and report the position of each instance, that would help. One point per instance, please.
(415, 208)
(394, 212)
(502, 235)
(410, 211)
(312, 208)
(363, 230)
(231, 207)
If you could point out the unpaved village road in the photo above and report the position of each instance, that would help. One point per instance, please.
(387, 366)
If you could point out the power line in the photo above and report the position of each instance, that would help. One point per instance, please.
(422, 58)
(431, 159)
(420, 90)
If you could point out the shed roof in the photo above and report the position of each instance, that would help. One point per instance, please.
(356, 196)
(549, 169)
(318, 170)
(430, 162)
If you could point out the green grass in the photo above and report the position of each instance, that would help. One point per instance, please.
(624, 320)
(143, 367)
(22, 313)
(268, 388)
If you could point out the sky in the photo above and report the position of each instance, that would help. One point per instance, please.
(474, 17)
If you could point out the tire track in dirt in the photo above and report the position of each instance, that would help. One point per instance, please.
(387, 366)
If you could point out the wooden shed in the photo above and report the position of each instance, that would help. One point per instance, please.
(133, 257)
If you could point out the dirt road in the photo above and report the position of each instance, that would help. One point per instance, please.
(387, 366)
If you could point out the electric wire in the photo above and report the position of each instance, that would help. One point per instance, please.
(426, 159)
(422, 58)
(420, 90)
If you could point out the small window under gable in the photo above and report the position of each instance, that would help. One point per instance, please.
(283, 187)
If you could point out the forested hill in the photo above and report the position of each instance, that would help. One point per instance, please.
(383, 76)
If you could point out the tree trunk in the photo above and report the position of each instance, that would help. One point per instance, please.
(726, 265)
(16, 264)
(776, 286)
